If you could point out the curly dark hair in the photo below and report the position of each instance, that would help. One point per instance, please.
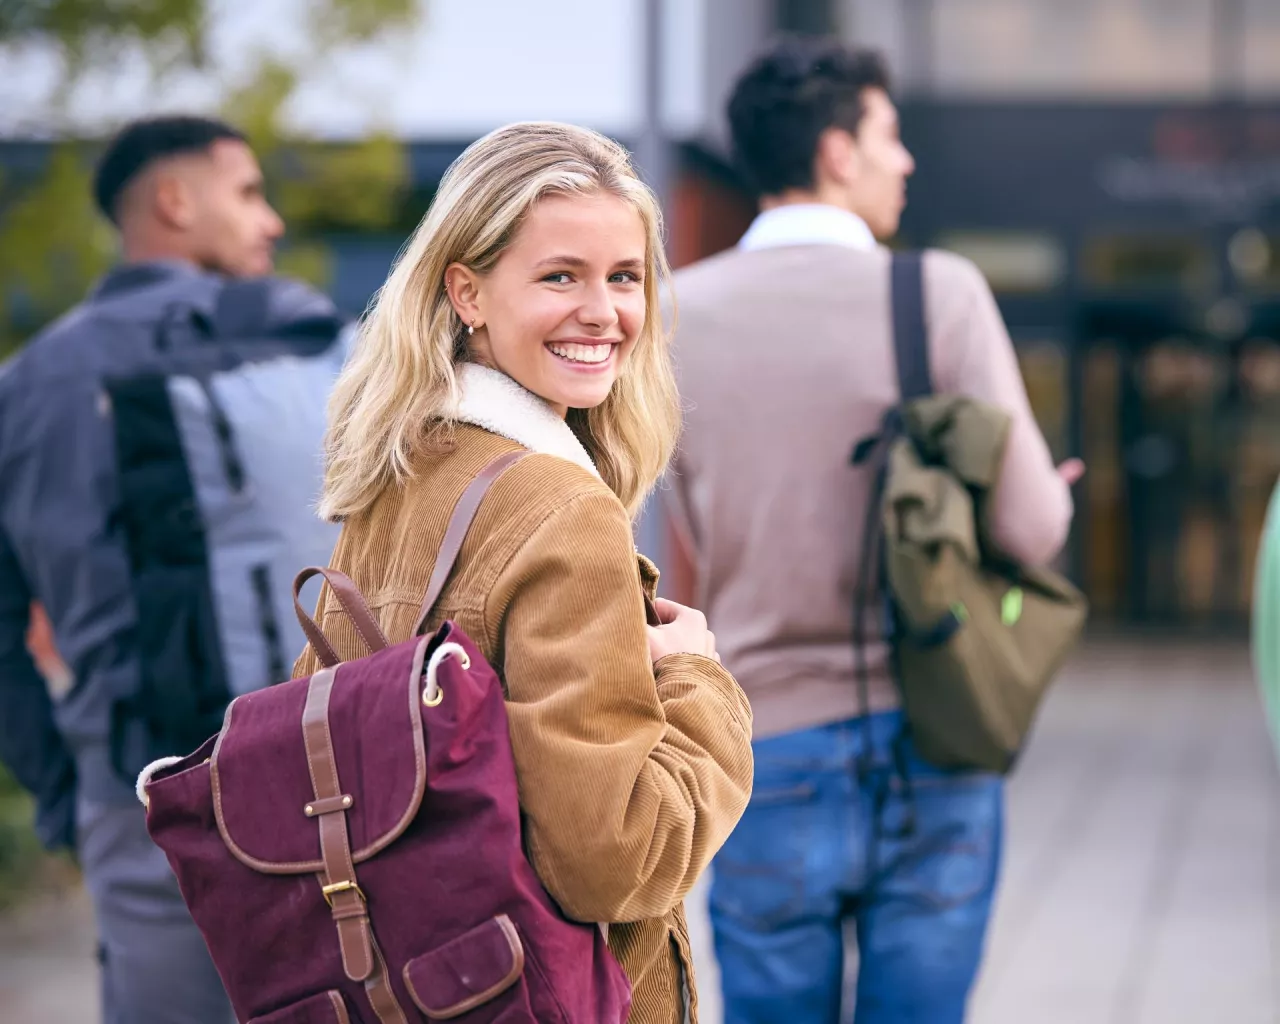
(788, 97)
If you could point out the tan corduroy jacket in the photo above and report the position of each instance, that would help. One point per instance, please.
(631, 775)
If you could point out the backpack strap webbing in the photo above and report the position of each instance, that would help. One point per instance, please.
(910, 336)
(243, 308)
(911, 353)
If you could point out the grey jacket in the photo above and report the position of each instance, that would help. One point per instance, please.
(61, 540)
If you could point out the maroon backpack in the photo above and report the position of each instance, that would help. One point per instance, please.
(350, 844)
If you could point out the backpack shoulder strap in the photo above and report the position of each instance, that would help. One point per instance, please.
(910, 335)
(278, 308)
(911, 354)
(464, 514)
(242, 308)
(353, 603)
(262, 307)
(910, 350)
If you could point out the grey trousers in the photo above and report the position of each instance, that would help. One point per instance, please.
(155, 967)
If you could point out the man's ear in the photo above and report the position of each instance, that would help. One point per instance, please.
(170, 196)
(463, 286)
(837, 159)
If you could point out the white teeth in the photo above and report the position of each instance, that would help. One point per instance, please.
(582, 353)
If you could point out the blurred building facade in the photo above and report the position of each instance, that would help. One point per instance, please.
(1112, 165)
(1114, 168)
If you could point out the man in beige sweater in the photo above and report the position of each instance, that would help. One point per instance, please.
(786, 358)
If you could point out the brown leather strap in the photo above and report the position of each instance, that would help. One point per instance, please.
(361, 958)
(353, 603)
(339, 877)
(315, 636)
(381, 996)
(339, 1007)
(459, 523)
(332, 805)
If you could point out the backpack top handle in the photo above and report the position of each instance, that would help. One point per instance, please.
(353, 603)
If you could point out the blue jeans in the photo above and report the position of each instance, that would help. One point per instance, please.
(807, 857)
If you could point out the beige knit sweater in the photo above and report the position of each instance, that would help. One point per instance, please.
(786, 361)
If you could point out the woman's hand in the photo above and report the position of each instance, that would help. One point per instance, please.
(683, 631)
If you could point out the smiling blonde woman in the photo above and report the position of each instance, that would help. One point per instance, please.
(524, 315)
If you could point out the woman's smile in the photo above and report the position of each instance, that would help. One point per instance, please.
(584, 355)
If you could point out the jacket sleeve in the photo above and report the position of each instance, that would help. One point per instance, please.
(630, 777)
(1031, 512)
(30, 744)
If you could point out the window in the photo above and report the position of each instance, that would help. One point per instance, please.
(1260, 48)
(813, 17)
(1012, 261)
(1147, 261)
(1085, 47)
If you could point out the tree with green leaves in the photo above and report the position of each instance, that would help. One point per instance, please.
(53, 243)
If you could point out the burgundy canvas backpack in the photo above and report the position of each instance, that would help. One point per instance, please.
(350, 844)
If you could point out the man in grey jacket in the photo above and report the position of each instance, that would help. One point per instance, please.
(187, 197)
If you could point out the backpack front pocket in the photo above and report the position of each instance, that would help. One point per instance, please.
(477, 977)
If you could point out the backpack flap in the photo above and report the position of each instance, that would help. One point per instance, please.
(939, 473)
(264, 783)
(965, 435)
(929, 532)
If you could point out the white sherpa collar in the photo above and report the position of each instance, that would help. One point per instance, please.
(496, 403)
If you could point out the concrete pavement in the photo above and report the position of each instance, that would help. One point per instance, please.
(47, 970)
(1143, 878)
(1142, 874)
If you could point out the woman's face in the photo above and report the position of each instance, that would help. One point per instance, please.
(563, 307)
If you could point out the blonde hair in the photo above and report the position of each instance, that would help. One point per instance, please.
(395, 397)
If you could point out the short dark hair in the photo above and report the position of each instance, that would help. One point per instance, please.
(141, 143)
(790, 95)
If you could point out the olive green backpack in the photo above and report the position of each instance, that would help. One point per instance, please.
(976, 638)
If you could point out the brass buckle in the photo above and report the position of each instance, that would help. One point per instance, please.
(330, 890)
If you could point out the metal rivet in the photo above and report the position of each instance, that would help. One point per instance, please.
(308, 810)
(346, 801)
